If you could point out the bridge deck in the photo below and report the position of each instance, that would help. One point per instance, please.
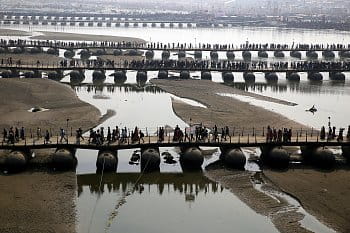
(152, 141)
(47, 67)
(172, 49)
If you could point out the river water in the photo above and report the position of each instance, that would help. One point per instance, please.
(172, 200)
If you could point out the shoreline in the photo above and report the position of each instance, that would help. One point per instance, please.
(50, 35)
(240, 183)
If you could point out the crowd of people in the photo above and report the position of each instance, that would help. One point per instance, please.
(332, 134)
(236, 65)
(278, 135)
(122, 135)
(159, 45)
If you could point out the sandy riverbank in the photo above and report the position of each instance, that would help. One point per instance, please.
(45, 35)
(84, 37)
(20, 95)
(40, 201)
(222, 110)
(303, 184)
(323, 194)
(29, 59)
(284, 218)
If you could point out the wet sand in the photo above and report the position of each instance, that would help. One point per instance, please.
(40, 201)
(323, 194)
(330, 207)
(240, 183)
(37, 202)
(84, 37)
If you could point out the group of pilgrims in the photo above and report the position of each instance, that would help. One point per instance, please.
(332, 134)
(194, 133)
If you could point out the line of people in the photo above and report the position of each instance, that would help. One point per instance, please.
(332, 133)
(159, 45)
(278, 135)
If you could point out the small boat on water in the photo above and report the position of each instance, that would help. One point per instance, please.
(313, 109)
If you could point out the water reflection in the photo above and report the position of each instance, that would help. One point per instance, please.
(126, 88)
(185, 202)
(183, 183)
(298, 87)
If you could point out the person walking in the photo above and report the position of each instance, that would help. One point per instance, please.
(63, 135)
(47, 137)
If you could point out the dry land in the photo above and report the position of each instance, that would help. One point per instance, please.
(324, 195)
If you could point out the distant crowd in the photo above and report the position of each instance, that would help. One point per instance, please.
(159, 45)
